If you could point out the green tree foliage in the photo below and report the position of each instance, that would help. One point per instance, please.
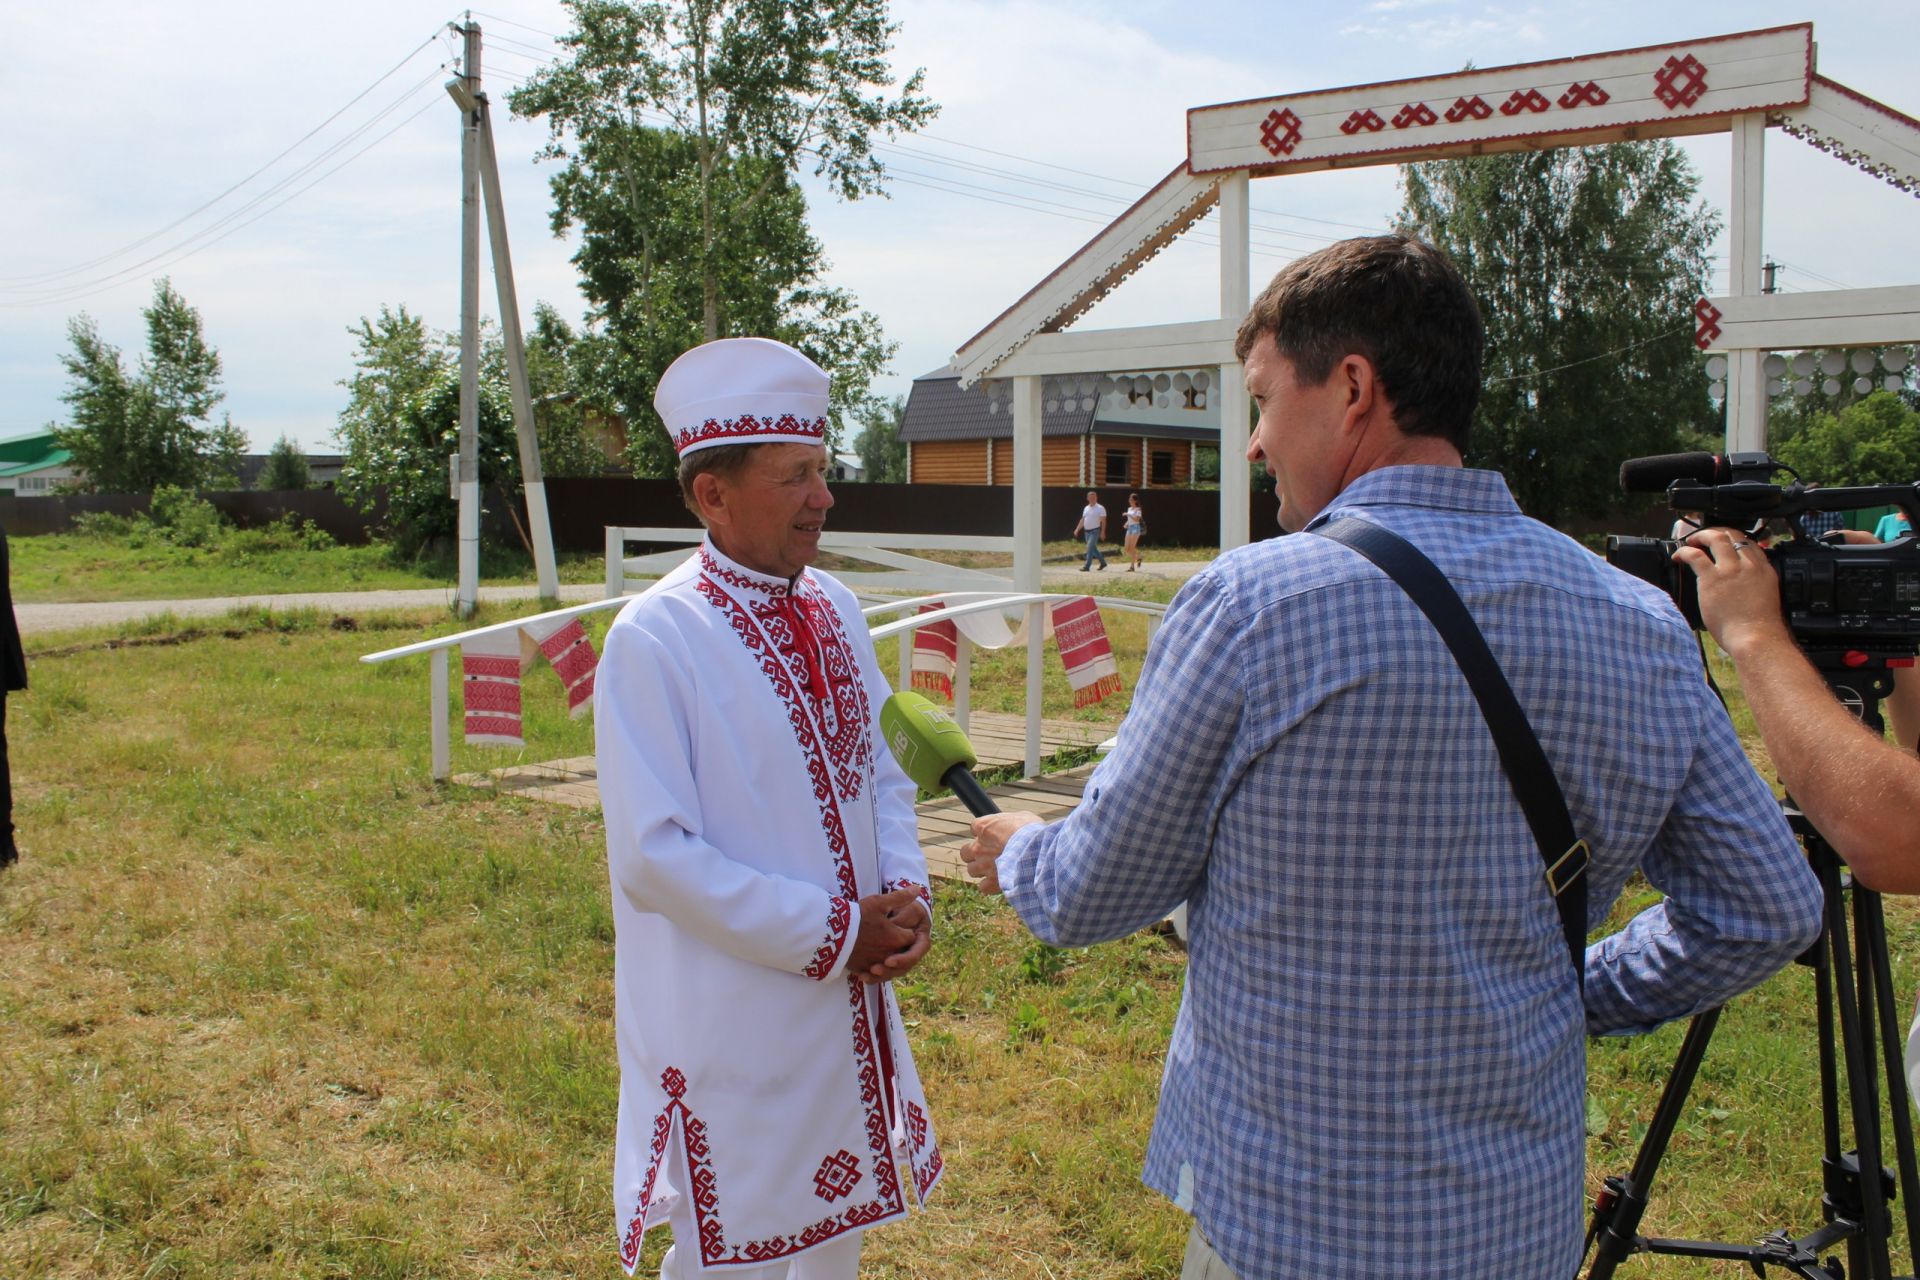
(131, 433)
(1788, 415)
(563, 411)
(683, 125)
(883, 454)
(286, 467)
(1875, 440)
(1586, 263)
(402, 420)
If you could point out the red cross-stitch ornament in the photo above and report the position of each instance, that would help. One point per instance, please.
(673, 1082)
(1578, 94)
(1414, 113)
(1531, 100)
(1708, 328)
(1280, 132)
(1468, 108)
(1681, 82)
(1367, 119)
(836, 1176)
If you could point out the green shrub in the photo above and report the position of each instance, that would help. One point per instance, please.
(108, 527)
(288, 533)
(185, 519)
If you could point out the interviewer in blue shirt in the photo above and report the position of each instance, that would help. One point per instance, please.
(1379, 1064)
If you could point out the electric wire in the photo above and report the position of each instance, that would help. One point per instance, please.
(237, 217)
(125, 249)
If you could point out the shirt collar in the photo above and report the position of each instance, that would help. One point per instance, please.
(1460, 489)
(738, 576)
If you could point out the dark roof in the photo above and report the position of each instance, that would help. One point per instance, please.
(937, 409)
(1156, 431)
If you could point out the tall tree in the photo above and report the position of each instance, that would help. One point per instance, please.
(1586, 263)
(132, 433)
(1875, 440)
(683, 124)
(287, 467)
(883, 454)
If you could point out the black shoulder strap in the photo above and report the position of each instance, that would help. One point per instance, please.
(1528, 770)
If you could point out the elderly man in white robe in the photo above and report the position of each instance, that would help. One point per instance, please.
(767, 873)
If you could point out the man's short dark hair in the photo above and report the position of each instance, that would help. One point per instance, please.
(721, 459)
(1393, 299)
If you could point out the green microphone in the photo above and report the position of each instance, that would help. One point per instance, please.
(932, 750)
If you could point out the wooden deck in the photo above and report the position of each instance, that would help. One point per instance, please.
(998, 739)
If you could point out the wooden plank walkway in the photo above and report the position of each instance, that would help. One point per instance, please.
(998, 739)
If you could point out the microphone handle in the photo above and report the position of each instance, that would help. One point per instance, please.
(970, 792)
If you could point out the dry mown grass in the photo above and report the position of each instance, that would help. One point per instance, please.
(273, 1005)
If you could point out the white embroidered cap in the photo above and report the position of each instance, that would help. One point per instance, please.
(742, 391)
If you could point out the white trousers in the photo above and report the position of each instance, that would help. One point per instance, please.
(1202, 1263)
(836, 1260)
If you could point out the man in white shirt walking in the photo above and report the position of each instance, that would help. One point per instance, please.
(1093, 523)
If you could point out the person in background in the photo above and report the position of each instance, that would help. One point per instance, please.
(1093, 525)
(1892, 525)
(1136, 525)
(13, 678)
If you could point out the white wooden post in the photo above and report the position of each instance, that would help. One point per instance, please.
(1027, 537)
(438, 699)
(1232, 393)
(962, 680)
(616, 562)
(1746, 377)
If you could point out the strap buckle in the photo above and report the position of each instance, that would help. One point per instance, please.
(1568, 867)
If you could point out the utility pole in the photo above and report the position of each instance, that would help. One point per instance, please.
(472, 102)
(1767, 271)
(467, 598)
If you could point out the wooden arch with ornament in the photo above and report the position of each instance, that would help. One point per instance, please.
(1739, 84)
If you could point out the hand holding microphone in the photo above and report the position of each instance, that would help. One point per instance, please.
(934, 753)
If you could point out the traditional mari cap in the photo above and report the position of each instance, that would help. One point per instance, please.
(742, 391)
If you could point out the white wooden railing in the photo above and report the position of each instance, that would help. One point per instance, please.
(962, 593)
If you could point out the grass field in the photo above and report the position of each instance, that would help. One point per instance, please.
(71, 567)
(271, 1004)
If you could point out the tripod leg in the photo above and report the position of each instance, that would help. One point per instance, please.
(1616, 1223)
(1867, 1249)
(1871, 936)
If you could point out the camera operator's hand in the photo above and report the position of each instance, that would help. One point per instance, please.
(1739, 591)
(1859, 790)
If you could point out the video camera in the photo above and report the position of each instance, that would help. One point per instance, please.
(1849, 604)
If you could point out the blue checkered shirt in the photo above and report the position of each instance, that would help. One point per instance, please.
(1378, 1068)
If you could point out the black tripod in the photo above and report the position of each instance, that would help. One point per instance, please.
(1853, 980)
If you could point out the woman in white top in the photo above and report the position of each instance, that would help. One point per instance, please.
(1136, 525)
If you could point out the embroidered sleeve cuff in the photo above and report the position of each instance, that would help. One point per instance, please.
(837, 943)
(920, 891)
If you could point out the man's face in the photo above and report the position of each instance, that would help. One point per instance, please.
(1298, 435)
(1092, 499)
(771, 510)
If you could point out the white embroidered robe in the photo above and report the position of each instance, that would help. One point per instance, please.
(749, 805)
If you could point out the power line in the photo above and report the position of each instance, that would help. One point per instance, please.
(47, 276)
(206, 234)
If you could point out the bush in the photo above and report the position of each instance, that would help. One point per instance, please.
(288, 533)
(108, 527)
(183, 518)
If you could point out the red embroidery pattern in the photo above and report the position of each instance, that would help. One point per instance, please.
(1414, 113)
(843, 714)
(920, 891)
(837, 1175)
(748, 425)
(1462, 108)
(704, 1188)
(1578, 94)
(1367, 119)
(1708, 328)
(838, 914)
(662, 1126)
(1280, 132)
(1531, 100)
(1680, 82)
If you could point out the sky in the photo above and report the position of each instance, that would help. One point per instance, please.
(295, 168)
